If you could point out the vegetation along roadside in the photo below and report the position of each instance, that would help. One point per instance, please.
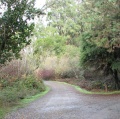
(19, 93)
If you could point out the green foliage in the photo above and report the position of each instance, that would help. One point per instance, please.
(63, 28)
(102, 34)
(90, 53)
(49, 42)
(5, 108)
(14, 27)
(92, 25)
(64, 66)
(8, 95)
(100, 44)
(3, 111)
(64, 17)
(31, 83)
(116, 65)
(71, 51)
(19, 89)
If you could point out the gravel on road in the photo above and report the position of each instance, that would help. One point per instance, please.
(65, 102)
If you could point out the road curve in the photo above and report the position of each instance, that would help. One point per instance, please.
(64, 102)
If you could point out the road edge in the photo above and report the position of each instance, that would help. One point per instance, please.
(90, 92)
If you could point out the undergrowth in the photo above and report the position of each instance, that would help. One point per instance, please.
(12, 92)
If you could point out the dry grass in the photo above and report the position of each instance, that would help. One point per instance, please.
(63, 67)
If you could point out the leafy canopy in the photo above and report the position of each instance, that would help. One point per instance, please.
(49, 42)
(100, 39)
(14, 27)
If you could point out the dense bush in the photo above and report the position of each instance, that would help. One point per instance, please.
(98, 80)
(11, 92)
(13, 70)
(67, 74)
(62, 67)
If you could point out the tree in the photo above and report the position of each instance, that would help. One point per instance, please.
(100, 41)
(49, 42)
(64, 16)
(14, 27)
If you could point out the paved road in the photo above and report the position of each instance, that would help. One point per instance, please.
(64, 102)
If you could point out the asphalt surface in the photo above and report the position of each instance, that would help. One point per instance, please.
(64, 102)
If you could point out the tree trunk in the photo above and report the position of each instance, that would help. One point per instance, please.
(117, 86)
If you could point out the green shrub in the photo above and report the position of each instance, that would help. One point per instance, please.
(67, 74)
(4, 83)
(64, 66)
(97, 85)
(31, 83)
(8, 95)
(11, 92)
